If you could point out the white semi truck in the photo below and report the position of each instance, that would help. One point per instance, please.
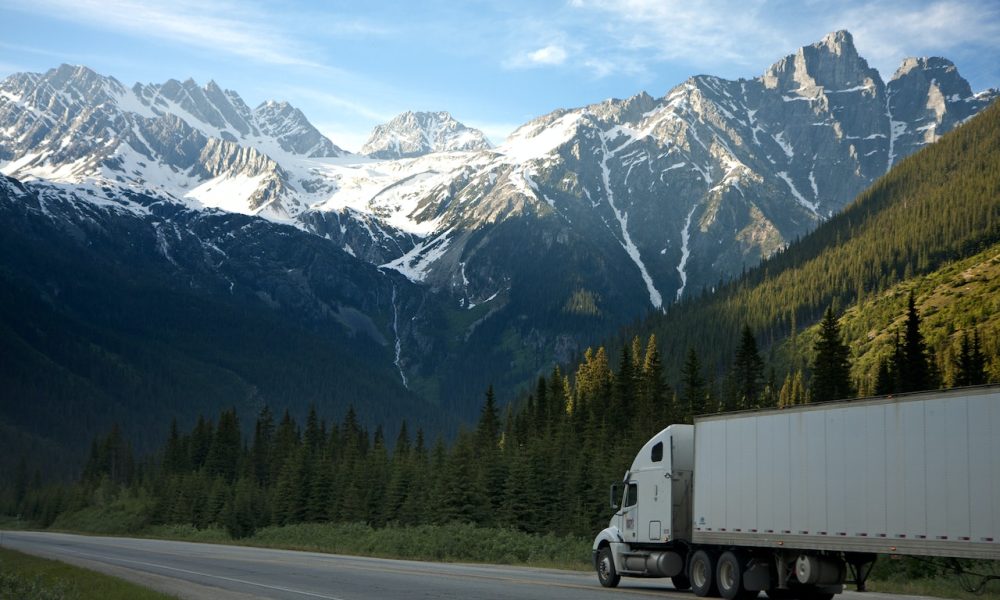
(795, 501)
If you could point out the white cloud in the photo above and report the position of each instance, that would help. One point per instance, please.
(935, 28)
(728, 37)
(549, 55)
(233, 28)
(328, 100)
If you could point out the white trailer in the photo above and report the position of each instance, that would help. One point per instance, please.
(788, 500)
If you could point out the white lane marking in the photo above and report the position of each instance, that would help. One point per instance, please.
(179, 570)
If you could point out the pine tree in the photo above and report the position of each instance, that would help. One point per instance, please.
(885, 380)
(242, 512)
(748, 372)
(977, 362)
(175, 459)
(693, 388)
(970, 367)
(785, 395)
(831, 370)
(201, 442)
(488, 429)
(224, 452)
(655, 410)
(914, 367)
(263, 439)
(624, 398)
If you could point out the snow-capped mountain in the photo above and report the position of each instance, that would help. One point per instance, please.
(688, 188)
(201, 143)
(581, 220)
(414, 134)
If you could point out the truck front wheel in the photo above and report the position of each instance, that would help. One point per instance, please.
(606, 572)
(681, 582)
(702, 574)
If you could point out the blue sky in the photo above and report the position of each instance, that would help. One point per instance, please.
(493, 65)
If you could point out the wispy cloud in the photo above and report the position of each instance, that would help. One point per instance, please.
(340, 103)
(550, 55)
(237, 29)
(936, 27)
(729, 36)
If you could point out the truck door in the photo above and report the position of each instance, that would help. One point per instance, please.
(630, 512)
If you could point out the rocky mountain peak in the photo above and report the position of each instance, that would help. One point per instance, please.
(840, 42)
(934, 71)
(831, 64)
(928, 96)
(412, 134)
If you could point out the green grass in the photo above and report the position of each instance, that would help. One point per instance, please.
(945, 587)
(929, 577)
(26, 577)
(442, 543)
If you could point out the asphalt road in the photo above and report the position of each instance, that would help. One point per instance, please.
(210, 571)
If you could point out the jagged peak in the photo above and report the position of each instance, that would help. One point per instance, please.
(839, 42)
(833, 62)
(924, 63)
(276, 106)
(413, 133)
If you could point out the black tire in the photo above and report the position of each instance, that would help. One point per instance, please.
(729, 577)
(681, 582)
(701, 573)
(776, 594)
(606, 572)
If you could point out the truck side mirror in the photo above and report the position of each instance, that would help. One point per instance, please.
(616, 496)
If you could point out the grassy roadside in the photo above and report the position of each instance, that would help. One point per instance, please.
(440, 543)
(944, 587)
(27, 577)
(919, 577)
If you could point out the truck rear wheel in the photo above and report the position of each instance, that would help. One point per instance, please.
(606, 572)
(729, 577)
(702, 574)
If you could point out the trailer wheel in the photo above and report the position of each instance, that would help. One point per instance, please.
(729, 576)
(606, 572)
(702, 574)
(681, 582)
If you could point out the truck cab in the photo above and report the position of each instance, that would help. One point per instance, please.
(648, 533)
